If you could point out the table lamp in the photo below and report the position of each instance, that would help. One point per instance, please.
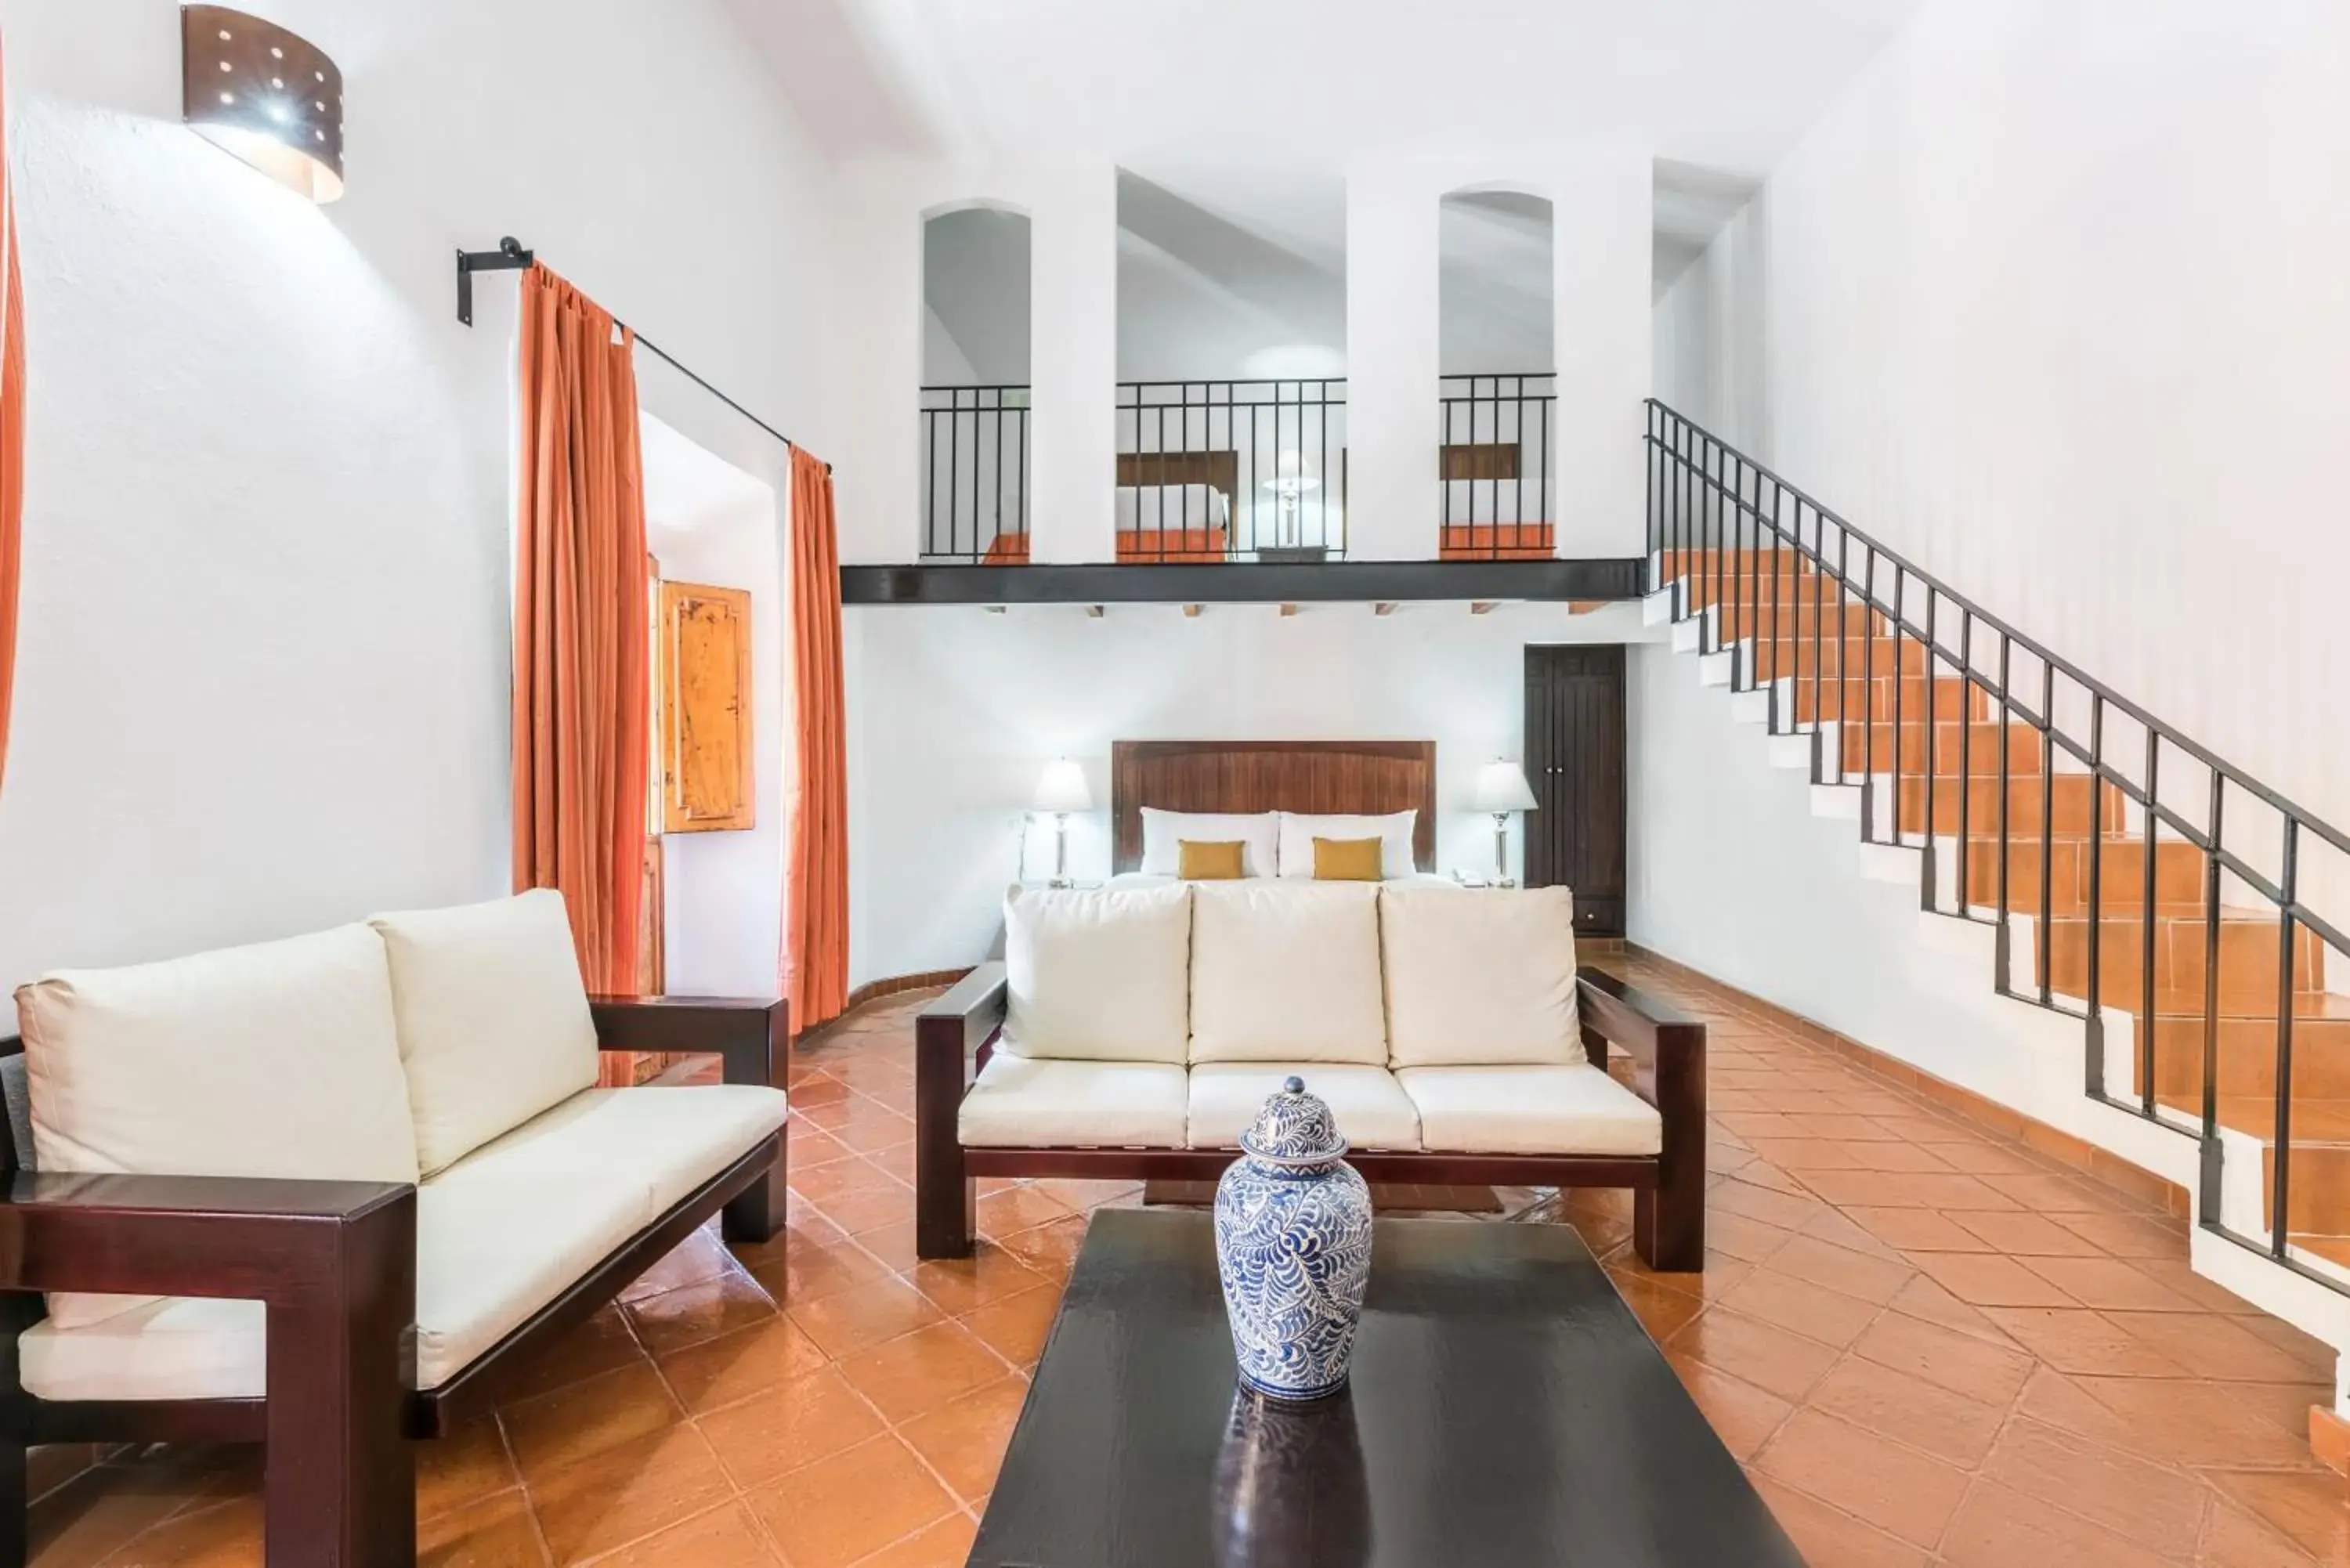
(1061, 791)
(1501, 788)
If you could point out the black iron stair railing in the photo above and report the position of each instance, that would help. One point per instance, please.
(1840, 633)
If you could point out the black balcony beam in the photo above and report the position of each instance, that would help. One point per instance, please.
(1238, 583)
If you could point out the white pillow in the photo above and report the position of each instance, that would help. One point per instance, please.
(1098, 976)
(1164, 833)
(1481, 977)
(1284, 973)
(276, 1060)
(1393, 832)
(494, 1020)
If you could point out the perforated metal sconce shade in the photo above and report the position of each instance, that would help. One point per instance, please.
(272, 98)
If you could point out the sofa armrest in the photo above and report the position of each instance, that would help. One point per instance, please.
(948, 1035)
(969, 1013)
(751, 1034)
(1666, 1044)
(241, 1237)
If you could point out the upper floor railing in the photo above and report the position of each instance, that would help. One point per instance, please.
(1495, 465)
(976, 473)
(1231, 471)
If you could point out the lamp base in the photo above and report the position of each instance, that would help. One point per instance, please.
(1501, 878)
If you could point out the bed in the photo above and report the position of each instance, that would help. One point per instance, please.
(1349, 778)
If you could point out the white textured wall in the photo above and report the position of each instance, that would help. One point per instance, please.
(266, 642)
(2054, 300)
(952, 715)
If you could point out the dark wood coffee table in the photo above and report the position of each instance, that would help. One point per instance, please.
(1507, 1411)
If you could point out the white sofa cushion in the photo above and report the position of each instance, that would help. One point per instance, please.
(499, 1234)
(1530, 1110)
(1100, 975)
(1371, 1108)
(494, 1020)
(1286, 971)
(1258, 834)
(1479, 978)
(275, 1060)
(1393, 831)
(1020, 1104)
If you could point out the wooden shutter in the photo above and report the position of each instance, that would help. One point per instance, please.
(707, 771)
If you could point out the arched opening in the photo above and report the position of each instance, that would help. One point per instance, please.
(974, 395)
(1498, 392)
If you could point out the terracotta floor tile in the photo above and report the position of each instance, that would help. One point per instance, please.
(959, 1284)
(1945, 1357)
(877, 1209)
(2024, 1235)
(1752, 1202)
(1018, 1209)
(1925, 1299)
(1858, 1275)
(2046, 1193)
(1050, 1248)
(736, 1365)
(2235, 1539)
(964, 1439)
(1989, 1280)
(865, 1314)
(2306, 1507)
(625, 1493)
(603, 1343)
(1016, 1327)
(821, 1184)
(1909, 1411)
(490, 1533)
(2128, 1235)
(86, 1520)
(700, 1256)
(808, 1274)
(2205, 1344)
(1919, 1230)
(1901, 1156)
(1831, 1538)
(2165, 1420)
(725, 1537)
(1901, 1492)
(790, 1425)
(1744, 1416)
(586, 1418)
(2108, 1282)
(2076, 1339)
(1662, 1312)
(1910, 1190)
(1773, 1359)
(224, 1535)
(2175, 1275)
(466, 1466)
(850, 1506)
(946, 1544)
(1749, 1241)
(2159, 1507)
(1812, 1311)
(2001, 1528)
(692, 1313)
(922, 1370)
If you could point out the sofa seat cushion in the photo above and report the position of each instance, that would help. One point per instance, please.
(280, 1059)
(1371, 1108)
(1286, 971)
(1480, 979)
(494, 1020)
(499, 1234)
(1098, 975)
(1018, 1102)
(1530, 1110)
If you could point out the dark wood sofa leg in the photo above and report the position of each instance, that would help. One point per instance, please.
(16, 1504)
(946, 1200)
(339, 1481)
(759, 1211)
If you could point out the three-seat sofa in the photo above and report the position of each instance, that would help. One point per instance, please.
(1133, 1033)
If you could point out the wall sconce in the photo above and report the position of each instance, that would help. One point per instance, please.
(270, 98)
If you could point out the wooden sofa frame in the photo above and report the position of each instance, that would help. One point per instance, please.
(955, 1034)
(336, 1263)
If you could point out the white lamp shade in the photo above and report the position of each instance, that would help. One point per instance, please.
(1062, 788)
(1501, 787)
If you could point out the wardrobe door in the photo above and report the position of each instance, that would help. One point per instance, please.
(1576, 762)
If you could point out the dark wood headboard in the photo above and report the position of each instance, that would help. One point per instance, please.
(1365, 778)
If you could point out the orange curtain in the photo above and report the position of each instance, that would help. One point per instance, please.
(815, 923)
(582, 697)
(11, 442)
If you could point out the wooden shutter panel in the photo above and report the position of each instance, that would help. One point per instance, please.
(707, 771)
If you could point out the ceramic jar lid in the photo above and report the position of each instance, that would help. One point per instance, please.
(1295, 1128)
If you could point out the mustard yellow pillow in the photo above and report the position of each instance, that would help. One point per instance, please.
(1347, 860)
(1209, 862)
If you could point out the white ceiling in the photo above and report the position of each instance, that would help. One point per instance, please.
(1723, 84)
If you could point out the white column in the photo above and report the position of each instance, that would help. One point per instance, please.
(1602, 260)
(1391, 366)
(1073, 356)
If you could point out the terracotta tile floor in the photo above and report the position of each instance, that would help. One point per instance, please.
(1928, 1343)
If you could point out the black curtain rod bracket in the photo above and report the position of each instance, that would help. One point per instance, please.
(510, 257)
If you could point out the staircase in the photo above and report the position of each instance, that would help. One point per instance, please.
(2129, 879)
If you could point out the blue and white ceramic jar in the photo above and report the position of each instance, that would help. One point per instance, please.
(1294, 1249)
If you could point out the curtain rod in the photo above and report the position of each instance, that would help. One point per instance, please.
(510, 257)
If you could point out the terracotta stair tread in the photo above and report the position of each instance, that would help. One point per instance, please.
(2308, 1007)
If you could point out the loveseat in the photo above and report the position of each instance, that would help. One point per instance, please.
(314, 1192)
(1133, 1033)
